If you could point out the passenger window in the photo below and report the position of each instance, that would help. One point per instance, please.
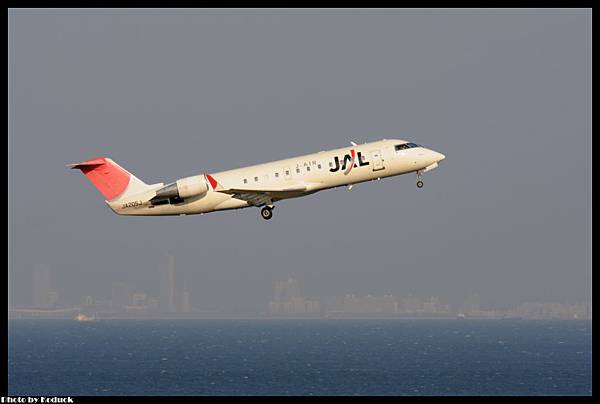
(245, 180)
(307, 168)
(287, 172)
(319, 166)
(330, 164)
(276, 175)
(298, 170)
(255, 179)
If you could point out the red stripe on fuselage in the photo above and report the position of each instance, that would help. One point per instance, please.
(213, 182)
(352, 154)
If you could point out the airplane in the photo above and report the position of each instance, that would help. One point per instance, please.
(259, 185)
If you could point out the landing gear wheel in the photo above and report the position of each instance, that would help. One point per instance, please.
(419, 184)
(266, 213)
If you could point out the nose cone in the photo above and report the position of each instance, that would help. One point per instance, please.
(439, 157)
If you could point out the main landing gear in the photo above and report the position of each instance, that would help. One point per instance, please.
(266, 212)
(419, 181)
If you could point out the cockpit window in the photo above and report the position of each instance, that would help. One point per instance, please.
(405, 146)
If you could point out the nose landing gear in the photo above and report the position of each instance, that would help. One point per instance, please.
(419, 181)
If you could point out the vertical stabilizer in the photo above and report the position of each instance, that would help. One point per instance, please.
(112, 180)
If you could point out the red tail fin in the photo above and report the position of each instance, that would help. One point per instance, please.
(111, 179)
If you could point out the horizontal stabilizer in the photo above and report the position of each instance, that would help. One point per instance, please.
(90, 163)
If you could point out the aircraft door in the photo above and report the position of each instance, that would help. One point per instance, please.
(377, 160)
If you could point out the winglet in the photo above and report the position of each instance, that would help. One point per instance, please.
(353, 144)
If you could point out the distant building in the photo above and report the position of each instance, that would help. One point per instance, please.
(103, 305)
(551, 311)
(184, 302)
(471, 305)
(434, 306)
(152, 304)
(88, 301)
(133, 309)
(285, 290)
(287, 300)
(486, 314)
(139, 299)
(410, 305)
(121, 295)
(167, 297)
(313, 306)
(387, 304)
(52, 299)
(280, 288)
(68, 313)
(43, 297)
(369, 304)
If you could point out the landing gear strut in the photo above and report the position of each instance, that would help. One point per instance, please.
(419, 181)
(266, 213)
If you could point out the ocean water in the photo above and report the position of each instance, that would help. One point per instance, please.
(299, 357)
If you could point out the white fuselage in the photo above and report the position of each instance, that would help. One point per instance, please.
(316, 172)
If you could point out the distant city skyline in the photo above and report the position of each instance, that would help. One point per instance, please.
(170, 295)
(288, 299)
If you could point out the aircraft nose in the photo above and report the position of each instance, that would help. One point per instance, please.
(439, 156)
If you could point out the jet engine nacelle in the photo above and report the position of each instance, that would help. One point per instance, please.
(184, 188)
(192, 186)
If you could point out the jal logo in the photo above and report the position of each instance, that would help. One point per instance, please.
(349, 161)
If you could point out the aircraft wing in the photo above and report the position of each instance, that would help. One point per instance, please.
(263, 196)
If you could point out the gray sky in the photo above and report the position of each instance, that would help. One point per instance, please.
(504, 94)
